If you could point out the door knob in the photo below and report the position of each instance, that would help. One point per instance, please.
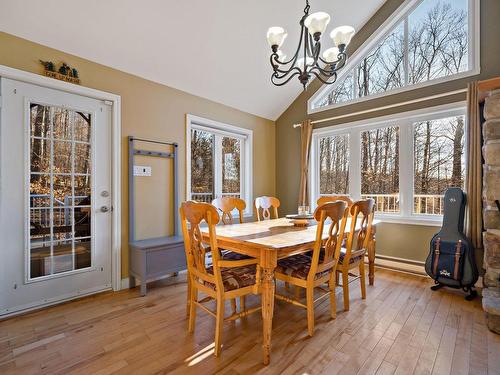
(104, 209)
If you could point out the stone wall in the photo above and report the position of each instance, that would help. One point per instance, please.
(491, 213)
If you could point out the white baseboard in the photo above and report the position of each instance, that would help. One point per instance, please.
(125, 283)
(400, 264)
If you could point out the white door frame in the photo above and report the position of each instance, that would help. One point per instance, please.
(115, 101)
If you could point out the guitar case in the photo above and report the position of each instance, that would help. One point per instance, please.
(451, 261)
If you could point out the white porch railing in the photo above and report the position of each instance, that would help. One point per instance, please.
(423, 204)
(209, 197)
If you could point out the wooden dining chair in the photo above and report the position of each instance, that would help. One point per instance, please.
(226, 205)
(353, 254)
(264, 205)
(224, 280)
(333, 198)
(309, 272)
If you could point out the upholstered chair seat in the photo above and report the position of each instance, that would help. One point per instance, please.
(298, 266)
(235, 278)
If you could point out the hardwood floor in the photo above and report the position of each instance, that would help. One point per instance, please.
(401, 328)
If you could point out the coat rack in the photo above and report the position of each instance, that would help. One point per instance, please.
(157, 257)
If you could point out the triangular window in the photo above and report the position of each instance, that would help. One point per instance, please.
(425, 42)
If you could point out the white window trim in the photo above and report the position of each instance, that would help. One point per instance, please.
(246, 156)
(404, 120)
(383, 30)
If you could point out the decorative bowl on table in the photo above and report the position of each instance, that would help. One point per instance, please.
(301, 220)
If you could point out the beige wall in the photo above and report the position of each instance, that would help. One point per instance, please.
(406, 241)
(151, 110)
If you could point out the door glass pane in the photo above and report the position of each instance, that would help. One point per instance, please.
(231, 153)
(334, 164)
(40, 155)
(202, 165)
(60, 190)
(82, 158)
(380, 168)
(82, 253)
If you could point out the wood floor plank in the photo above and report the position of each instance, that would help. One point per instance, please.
(401, 328)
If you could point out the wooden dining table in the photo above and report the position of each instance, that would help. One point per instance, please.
(270, 240)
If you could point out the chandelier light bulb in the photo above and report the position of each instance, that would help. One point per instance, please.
(331, 54)
(281, 56)
(300, 62)
(276, 36)
(342, 35)
(317, 23)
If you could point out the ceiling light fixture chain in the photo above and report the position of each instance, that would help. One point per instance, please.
(306, 61)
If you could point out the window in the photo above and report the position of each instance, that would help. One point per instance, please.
(429, 41)
(219, 157)
(438, 146)
(380, 167)
(404, 162)
(334, 164)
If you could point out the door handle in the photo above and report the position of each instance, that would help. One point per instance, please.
(105, 209)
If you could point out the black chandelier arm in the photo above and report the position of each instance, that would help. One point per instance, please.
(322, 71)
(327, 81)
(314, 48)
(280, 74)
(275, 77)
(339, 63)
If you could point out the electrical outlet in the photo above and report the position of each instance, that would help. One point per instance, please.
(142, 171)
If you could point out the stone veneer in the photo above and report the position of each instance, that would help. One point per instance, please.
(491, 213)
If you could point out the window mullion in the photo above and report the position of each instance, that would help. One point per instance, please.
(406, 168)
(355, 164)
(406, 52)
(217, 166)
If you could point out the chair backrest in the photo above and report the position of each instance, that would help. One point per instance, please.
(365, 208)
(195, 213)
(337, 212)
(226, 205)
(333, 198)
(263, 207)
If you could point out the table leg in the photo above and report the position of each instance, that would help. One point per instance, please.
(268, 264)
(371, 260)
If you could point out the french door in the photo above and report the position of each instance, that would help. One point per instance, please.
(55, 181)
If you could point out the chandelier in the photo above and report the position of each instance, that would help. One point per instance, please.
(306, 61)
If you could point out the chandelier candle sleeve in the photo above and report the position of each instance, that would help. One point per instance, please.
(307, 61)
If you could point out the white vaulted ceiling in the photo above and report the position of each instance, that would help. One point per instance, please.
(215, 49)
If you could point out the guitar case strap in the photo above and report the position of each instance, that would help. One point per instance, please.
(457, 259)
(436, 257)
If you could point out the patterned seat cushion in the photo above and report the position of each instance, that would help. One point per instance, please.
(352, 260)
(297, 266)
(235, 278)
(225, 254)
(231, 255)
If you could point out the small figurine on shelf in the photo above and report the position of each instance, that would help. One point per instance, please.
(63, 69)
(48, 65)
(64, 73)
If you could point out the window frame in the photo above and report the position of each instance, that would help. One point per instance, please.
(401, 15)
(246, 155)
(405, 122)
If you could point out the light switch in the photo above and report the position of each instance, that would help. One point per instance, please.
(142, 171)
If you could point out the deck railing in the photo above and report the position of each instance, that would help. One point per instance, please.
(423, 204)
(209, 197)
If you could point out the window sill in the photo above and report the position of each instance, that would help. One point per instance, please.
(412, 220)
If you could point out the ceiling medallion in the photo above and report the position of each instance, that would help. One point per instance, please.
(306, 61)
